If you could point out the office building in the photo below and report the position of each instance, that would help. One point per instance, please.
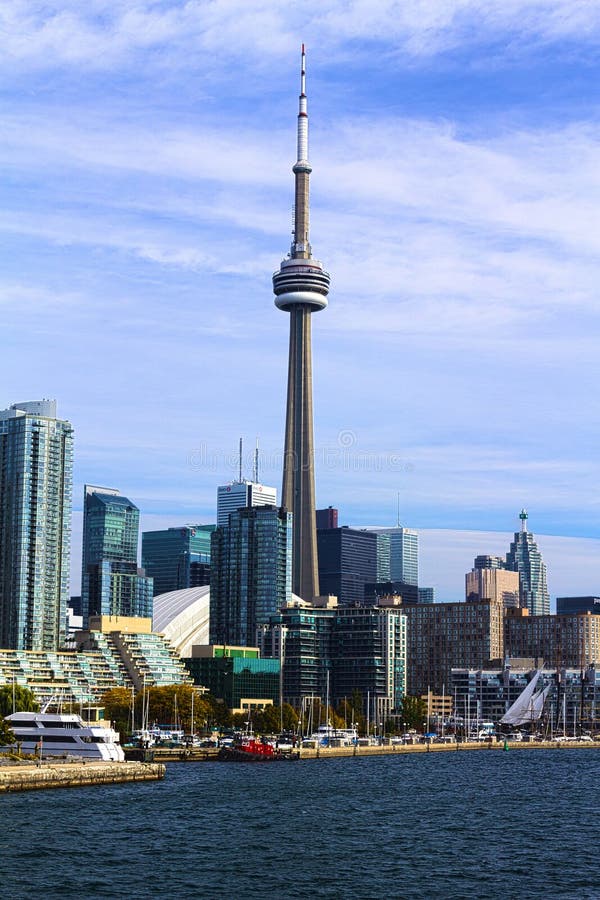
(111, 582)
(177, 558)
(36, 475)
(347, 562)
(570, 605)
(561, 640)
(327, 518)
(301, 287)
(236, 675)
(250, 572)
(403, 554)
(443, 636)
(493, 584)
(240, 494)
(426, 595)
(525, 558)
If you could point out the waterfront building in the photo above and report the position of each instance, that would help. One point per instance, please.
(443, 636)
(177, 558)
(570, 605)
(113, 652)
(251, 572)
(525, 558)
(236, 675)
(301, 286)
(36, 475)
(347, 561)
(111, 582)
(299, 636)
(572, 701)
(492, 583)
(330, 651)
(327, 518)
(566, 640)
(239, 495)
(368, 655)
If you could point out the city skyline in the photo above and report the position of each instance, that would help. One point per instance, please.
(146, 199)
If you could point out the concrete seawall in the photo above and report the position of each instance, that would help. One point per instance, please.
(63, 775)
(337, 752)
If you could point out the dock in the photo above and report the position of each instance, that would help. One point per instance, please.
(36, 777)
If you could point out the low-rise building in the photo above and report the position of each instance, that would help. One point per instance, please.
(236, 675)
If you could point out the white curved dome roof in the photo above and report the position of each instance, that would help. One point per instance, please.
(182, 616)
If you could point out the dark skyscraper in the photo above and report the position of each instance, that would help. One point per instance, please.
(301, 286)
(347, 562)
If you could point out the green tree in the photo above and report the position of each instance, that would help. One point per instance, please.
(413, 711)
(117, 707)
(24, 700)
(7, 736)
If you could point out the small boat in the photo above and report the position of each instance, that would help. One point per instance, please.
(64, 734)
(248, 749)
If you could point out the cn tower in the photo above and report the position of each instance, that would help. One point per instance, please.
(301, 286)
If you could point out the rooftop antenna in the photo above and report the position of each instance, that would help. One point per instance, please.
(241, 453)
(398, 512)
(255, 473)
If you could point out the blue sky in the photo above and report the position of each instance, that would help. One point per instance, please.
(147, 191)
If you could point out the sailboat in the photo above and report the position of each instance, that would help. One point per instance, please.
(529, 705)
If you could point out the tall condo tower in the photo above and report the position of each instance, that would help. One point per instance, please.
(301, 286)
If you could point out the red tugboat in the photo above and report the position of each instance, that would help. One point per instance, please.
(251, 750)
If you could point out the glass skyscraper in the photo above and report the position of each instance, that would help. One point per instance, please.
(36, 476)
(525, 558)
(251, 572)
(401, 555)
(177, 558)
(111, 582)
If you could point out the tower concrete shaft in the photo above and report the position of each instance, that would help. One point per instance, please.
(301, 286)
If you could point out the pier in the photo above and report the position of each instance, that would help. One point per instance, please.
(63, 775)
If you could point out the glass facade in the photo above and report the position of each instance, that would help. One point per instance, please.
(177, 558)
(251, 572)
(347, 561)
(112, 583)
(36, 476)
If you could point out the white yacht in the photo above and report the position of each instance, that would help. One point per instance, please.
(328, 736)
(64, 734)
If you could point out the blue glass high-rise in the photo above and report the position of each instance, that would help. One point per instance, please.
(36, 476)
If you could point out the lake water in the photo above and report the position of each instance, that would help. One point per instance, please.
(522, 824)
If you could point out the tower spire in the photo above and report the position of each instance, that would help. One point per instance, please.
(301, 286)
(301, 248)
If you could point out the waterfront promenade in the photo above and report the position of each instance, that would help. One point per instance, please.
(33, 777)
(172, 754)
